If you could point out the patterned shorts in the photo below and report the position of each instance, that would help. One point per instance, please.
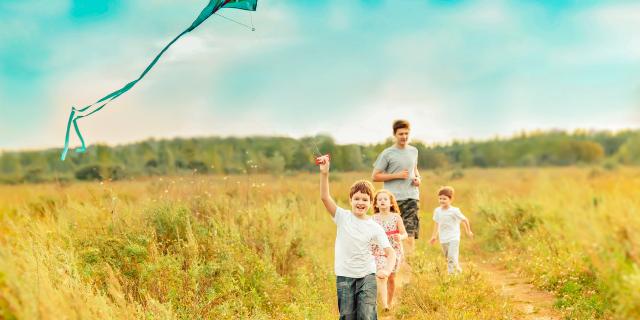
(409, 212)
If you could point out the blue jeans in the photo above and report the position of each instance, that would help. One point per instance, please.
(357, 297)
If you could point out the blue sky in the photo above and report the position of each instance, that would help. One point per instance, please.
(455, 69)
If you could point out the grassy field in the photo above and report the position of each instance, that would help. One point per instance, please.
(261, 247)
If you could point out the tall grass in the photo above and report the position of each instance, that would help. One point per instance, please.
(571, 231)
(261, 247)
(167, 248)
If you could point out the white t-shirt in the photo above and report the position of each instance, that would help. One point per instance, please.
(353, 244)
(448, 223)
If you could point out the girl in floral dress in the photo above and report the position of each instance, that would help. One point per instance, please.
(387, 214)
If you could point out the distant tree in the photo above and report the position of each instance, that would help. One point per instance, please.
(166, 160)
(465, 157)
(10, 164)
(432, 159)
(104, 154)
(92, 172)
(629, 152)
(352, 158)
(589, 152)
(301, 159)
(235, 155)
(34, 175)
(275, 164)
(116, 173)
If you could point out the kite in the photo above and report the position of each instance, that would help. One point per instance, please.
(76, 114)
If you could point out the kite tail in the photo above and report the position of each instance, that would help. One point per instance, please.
(211, 8)
(106, 99)
(66, 139)
(74, 120)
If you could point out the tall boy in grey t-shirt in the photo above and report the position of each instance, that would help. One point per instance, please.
(397, 167)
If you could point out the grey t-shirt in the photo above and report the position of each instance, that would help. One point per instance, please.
(393, 160)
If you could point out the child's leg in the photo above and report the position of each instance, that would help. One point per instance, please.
(346, 288)
(366, 298)
(382, 283)
(382, 292)
(454, 253)
(448, 250)
(391, 287)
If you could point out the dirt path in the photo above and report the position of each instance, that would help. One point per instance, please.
(531, 302)
(534, 304)
(402, 278)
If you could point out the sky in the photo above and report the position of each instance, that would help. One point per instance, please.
(455, 69)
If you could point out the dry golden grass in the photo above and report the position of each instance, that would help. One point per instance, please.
(261, 247)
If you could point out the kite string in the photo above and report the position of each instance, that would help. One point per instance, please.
(238, 22)
(316, 146)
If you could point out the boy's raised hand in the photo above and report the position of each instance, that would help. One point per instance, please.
(324, 163)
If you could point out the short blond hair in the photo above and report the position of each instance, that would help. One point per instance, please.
(446, 191)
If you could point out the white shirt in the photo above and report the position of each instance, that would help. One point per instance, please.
(353, 244)
(448, 223)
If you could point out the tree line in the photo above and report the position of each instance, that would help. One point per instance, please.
(279, 155)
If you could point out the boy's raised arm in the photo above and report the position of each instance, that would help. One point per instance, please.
(328, 202)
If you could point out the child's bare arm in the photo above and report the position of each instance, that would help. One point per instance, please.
(403, 231)
(328, 202)
(389, 264)
(467, 227)
(434, 235)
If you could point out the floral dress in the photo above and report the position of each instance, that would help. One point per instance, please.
(390, 226)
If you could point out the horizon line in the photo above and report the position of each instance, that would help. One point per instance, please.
(495, 137)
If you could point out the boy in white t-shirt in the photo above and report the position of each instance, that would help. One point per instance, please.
(447, 224)
(355, 265)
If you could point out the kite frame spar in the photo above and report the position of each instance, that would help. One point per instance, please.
(210, 9)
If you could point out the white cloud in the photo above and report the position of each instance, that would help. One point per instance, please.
(398, 99)
(609, 34)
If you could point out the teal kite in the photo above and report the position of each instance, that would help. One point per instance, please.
(210, 9)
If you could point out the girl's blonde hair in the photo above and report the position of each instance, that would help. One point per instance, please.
(394, 204)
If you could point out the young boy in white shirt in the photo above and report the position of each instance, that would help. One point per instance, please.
(447, 226)
(355, 265)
